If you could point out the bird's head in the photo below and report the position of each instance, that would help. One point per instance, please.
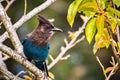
(43, 32)
(45, 26)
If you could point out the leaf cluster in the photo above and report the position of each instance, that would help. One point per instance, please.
(104, 19)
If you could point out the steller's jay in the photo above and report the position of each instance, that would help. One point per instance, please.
(36, 45)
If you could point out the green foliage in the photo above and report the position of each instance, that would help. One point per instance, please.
(100, 23)
(113, 11)
(103, 3)
(117, 2)
(88, 10)
(103, 20)
(119, 45)
(72, 10)
(90, 29)
(118, 21)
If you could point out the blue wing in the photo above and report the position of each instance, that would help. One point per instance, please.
(36, 53)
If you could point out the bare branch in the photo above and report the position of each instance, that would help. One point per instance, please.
(33, 13)
(21, 72)
(3, 37)
(66, 57)
(69, 45)
(101, 66)
(66, 42)
(21, 60)
(112, 72)
(3, 69)
(11, 32)
(5, 57)
(9, 3)
(51, 57)
(25, 7)
(28, 16)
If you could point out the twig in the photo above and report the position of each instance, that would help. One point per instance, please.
(32, 13)
(113, 60)
(112, 72)
(11, 32)
(69, 45)
(51, 57)
(66, 42)
(66, 57)
(21, 60)
(118, 33)
(98, 4)
(28, 16)
(101, 66)
(21, 72)
(3, 69)
(3, 37)
(117, 27)
(5, 57)
(9, 3)
(25, 7)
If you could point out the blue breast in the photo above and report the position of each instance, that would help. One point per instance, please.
(35, 52)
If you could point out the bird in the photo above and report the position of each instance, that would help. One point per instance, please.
(36, 44)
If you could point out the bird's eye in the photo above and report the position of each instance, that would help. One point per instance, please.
(51, 27)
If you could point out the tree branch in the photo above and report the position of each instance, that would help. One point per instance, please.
(9, 3)
(103, 69)
(21, 60)
(11, 32)
(69, 45)
(26, 17)
(33, 13)
(112, 72)
(4, 70)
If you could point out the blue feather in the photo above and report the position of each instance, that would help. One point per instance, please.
(35, 53)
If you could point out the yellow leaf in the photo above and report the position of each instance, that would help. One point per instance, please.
(51, 75)
(100, 23)
(118, 21)
(108, 70)
(27, 77)
(114, 11)
(101, 40)
(92, 6)
(72, 10)
(112, 26)
(71, 34)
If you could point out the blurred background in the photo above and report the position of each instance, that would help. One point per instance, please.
(82, 64)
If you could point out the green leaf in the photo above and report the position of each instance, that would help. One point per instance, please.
(100, 23)
(84, 1)
(116, 2)
(118, 43)
(72, 10)
(89, 10)
(94, 48)
(118, 21)
(112, 26)
(90, 29)
(111, 16)
(89, 13)
(102, 4)
(114, 11)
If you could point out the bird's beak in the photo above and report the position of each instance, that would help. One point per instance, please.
(57, 29)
